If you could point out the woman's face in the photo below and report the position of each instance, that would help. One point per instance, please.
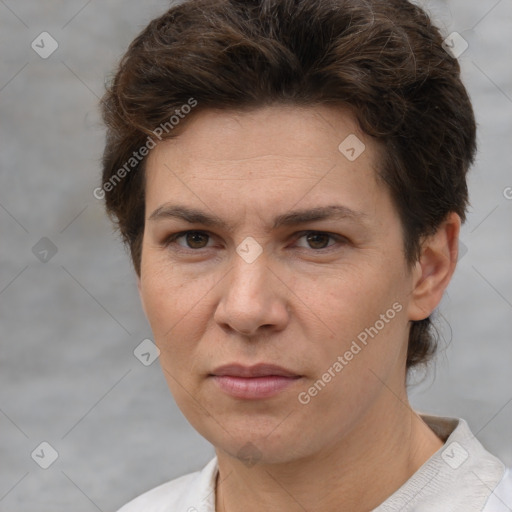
(302, 269)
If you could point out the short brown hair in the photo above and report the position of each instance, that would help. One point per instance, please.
(382, 58)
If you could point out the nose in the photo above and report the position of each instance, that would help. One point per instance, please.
(254, 299)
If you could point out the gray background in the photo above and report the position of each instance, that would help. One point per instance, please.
(69, 326)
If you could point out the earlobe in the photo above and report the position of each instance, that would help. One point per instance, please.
(435, 268)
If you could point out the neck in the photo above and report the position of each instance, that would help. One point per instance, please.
(360, 472)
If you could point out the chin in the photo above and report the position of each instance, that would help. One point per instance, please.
(251, 443)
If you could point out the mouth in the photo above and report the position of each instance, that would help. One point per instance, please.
(253, 382)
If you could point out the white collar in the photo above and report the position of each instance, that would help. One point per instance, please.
(460, 476)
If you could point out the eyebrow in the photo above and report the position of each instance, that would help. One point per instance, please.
(194, 216)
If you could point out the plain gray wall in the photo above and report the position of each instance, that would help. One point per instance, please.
(69, 326)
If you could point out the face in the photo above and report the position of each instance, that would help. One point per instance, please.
(274, 278)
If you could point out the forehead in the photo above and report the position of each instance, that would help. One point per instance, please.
(264, 158)
(282, 130)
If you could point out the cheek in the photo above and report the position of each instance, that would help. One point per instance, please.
(366, 315)
(355, 297)
(167, 293)
(351, 369)
(169, 302)
(169, 305)
(161, 301)
(179, 310)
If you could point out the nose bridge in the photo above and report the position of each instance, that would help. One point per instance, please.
(249, 298)
(249, 279)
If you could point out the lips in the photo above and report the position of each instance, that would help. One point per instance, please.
(253, 382)
(258, 370)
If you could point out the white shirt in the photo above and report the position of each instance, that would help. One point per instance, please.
(462, 476)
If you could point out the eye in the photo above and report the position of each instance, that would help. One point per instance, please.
(193, 239)
(196, 240)
(319, 240)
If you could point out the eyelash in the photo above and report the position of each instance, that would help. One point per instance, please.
(173, 238)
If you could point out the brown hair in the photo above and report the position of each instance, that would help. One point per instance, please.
(382, 58)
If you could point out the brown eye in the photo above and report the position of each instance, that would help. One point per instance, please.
(196, 239)
(192, 240)
(318, 240)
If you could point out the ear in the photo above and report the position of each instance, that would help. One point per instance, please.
(434, 270)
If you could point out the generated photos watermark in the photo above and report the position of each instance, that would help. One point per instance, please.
(356, 347)
(139, 155)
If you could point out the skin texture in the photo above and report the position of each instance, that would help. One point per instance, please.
(300, 304)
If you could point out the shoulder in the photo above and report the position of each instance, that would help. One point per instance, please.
(501, 498)
(461, 476)
(193, 492)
